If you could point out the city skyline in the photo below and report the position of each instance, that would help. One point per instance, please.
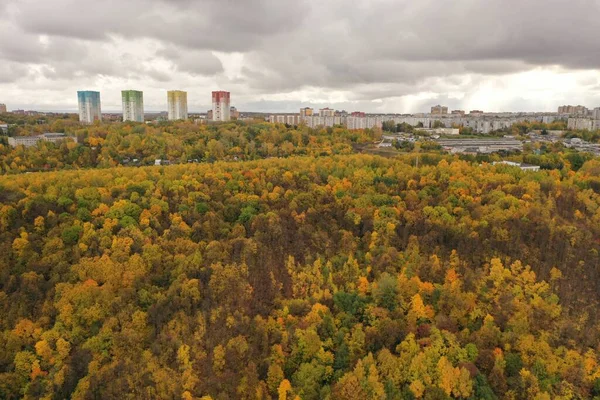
(340, 62)
(89, 108)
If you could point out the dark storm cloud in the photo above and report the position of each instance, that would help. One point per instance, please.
(373, 49)
(208, 24)
(391, 41)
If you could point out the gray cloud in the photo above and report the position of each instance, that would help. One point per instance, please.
(366, 49)
(193, 62)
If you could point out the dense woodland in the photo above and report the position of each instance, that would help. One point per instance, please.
(340, 277)
(109, 145)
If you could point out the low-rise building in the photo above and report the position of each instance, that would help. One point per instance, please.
(483, 146)
(289, 119)
(30, 141)
(524, 167)
(2, 108)
(441, 131)
(584, 124)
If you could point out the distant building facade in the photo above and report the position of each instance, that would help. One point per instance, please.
(90, 109)
(2, 108)
(583, 124)
(234, 113)
(439, 110)
(476, 120)
(524, 167)
(306, 112)
(178, 105)
(289, 119)
(326, 112)
(221, 106)
(458, 112)
(30, 141)
(573, 110)
(133, 105)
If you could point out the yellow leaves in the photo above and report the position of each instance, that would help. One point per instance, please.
(39, 224)
(555, 274)
(145, 218)
(527, 198)
(239, 345)
(454, 380)
(183, 356)
(417, 388)
(284, 388)
(121, 248)
(42, 349)
(488, 320)
(21, 244)
(464, 387)
(109, 224)
(451, 276)
(377, 390)
(497, 272)
(390, 228)
(218, 359)
(102, 209)
(419, 309)
(315, 316)
(435, 263)
(275, 377)
(27, 330)
(590, 364)
(427, 288)
(63, 348)
(363, 285)
(447, 375)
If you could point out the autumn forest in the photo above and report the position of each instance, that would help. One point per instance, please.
(280, 265)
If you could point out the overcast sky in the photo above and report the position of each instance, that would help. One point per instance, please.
(277, 55)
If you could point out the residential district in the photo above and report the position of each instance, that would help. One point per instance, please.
(440, 123)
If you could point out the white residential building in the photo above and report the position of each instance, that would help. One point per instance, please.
(133, 105)
(221, 108)
(89, 107)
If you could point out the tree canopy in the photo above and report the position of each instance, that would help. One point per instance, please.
(341, 277)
